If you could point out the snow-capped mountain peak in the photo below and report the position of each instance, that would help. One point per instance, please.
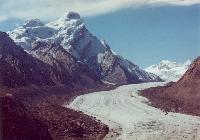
(70, 33)
(67, 20)
(166, 65)
(168, 70)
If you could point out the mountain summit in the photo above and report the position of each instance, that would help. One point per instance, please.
(169, 71)
(70, 33)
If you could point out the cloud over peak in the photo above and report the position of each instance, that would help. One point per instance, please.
(51, 9)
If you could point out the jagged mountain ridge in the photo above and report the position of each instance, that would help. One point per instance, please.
(18, 68)
(71, 34)
(169, 71)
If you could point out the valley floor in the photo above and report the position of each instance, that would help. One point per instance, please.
(130, 117)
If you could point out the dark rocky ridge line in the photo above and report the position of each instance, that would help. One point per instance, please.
(182, 96)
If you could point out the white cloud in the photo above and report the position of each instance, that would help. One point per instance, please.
(50, 9)
(3, 18)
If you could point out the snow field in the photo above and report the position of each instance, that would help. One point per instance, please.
(130, 117)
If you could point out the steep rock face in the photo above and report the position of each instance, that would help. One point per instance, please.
(19, 68)
(169, 71)
(68, 66)
(182, 96)
(71, 34)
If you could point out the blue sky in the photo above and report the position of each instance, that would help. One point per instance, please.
(147, 35)
(144, 34)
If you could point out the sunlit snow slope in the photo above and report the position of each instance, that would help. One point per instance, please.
(129, 116)
(169, 71)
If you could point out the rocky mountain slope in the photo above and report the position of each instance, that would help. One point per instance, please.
(27, 113)
(71, 35)
(18, 68)
(32, 90)
(182, 96)
(169, 71)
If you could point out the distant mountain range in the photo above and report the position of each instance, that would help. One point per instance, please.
(169, 71)
(182, 96)
(68, 35)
